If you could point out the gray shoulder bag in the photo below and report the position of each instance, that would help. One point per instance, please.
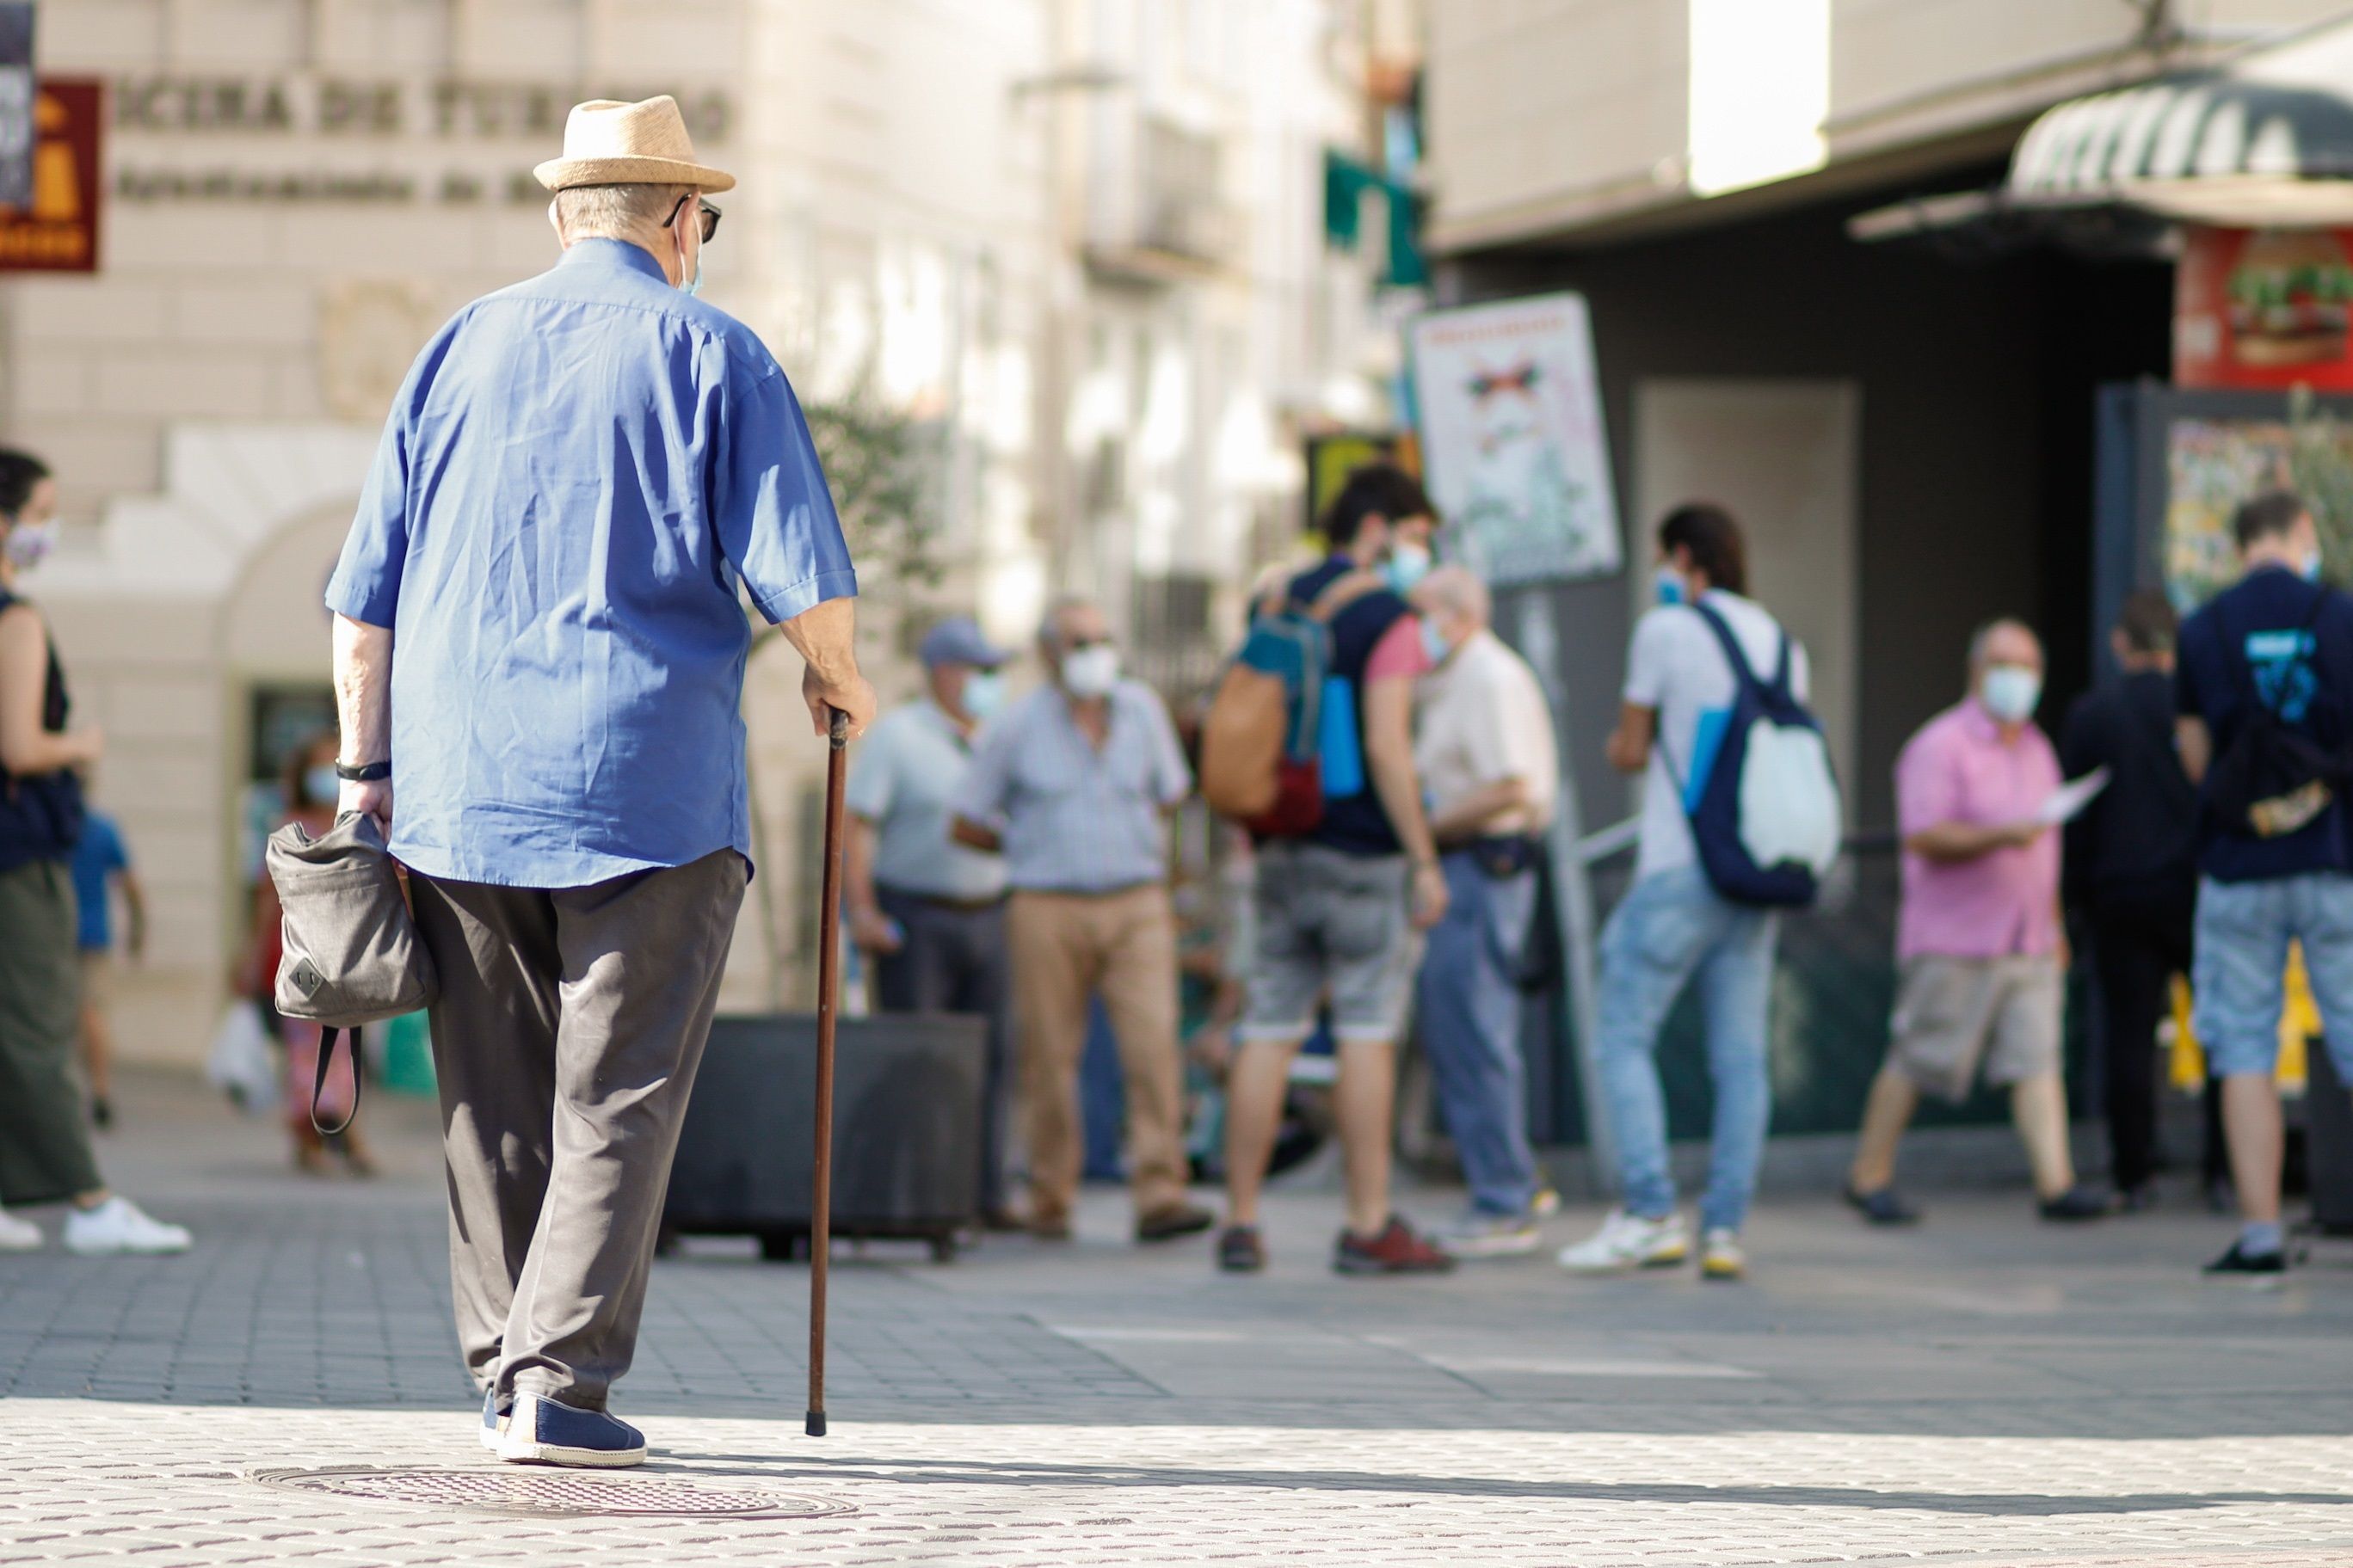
(353, 956)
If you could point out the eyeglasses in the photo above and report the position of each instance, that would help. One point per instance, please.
(703, 209)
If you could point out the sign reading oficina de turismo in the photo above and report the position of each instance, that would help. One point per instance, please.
(1513, 443)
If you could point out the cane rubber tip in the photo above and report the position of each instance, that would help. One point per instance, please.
(817, 1423)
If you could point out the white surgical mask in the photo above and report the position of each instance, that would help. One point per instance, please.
(322, 785)
(984, 693)
(1407, 564)
(2010, 692)
(1434, 643)
(1091, 671)
(1668, 584)
(28, 542)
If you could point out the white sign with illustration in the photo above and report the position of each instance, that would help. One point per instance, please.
(1512, 439)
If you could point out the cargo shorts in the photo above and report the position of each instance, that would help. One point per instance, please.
(1953, 1013)
(1331, 925)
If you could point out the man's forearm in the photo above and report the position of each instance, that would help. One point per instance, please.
(1400, 792)
(1468, 816)
(826, 635)
(1957, 841)
(364, 689)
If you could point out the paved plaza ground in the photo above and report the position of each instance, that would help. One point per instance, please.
(1983, 1390)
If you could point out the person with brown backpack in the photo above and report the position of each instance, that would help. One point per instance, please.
(1310, 742)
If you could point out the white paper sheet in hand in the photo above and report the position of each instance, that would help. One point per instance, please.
(2067, 802)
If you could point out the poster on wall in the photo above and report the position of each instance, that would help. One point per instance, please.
(2264, 308)
(1513, 445)
(2214, 464)
(55, 229)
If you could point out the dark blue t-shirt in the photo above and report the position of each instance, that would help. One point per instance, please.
(2302, 666)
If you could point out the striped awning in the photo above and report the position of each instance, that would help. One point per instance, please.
(2268, 139)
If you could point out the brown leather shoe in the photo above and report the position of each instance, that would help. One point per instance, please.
(1176, 1219)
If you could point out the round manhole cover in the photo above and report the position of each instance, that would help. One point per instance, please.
(552, 1492)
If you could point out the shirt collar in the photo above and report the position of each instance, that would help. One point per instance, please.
(613, 255)
(1980, 724)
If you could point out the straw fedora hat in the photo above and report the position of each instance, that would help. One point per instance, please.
(607, 143)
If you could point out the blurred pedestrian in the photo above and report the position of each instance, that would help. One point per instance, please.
(930, 911)
(309, 786)
(540, 643)
(1673, 926)
(2265, 695)
(1073, 784)
(2131, 872)
(101, 866)
(45, 1149)
(1338, 912)
(1484, 745)
(1979, 942)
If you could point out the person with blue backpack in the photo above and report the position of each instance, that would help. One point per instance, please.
(1347, 877)
(1740, 816)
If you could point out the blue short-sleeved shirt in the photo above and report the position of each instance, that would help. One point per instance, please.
(576, 475)
(96, 858)
(2293, 642)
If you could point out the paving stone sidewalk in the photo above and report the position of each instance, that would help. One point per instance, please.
(1983, 1390)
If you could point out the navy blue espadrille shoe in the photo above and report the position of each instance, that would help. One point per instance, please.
(545, 1431)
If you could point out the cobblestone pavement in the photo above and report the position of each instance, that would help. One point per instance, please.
(1981, 1391)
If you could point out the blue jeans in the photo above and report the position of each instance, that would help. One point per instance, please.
(1470, 1028)
(1671, 926)
(2238, 966)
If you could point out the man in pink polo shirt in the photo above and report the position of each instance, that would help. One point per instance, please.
(1983, 958)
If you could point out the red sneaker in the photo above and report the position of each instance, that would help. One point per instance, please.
(1395, 1250)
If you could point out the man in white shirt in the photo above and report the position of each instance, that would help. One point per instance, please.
(928, 911)
(1673, 925)
(1483, 746)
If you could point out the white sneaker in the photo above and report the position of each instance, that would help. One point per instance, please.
(1629, 1241)
(118, 1224)
(1476, 1234)
(19, 1234)
(1720, 1256)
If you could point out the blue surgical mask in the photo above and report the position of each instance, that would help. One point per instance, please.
(2010, 692)
(2309, 567)
(984, 693)
(1408, 565)
(1434, 643)
(321, 784)
(1668, 583)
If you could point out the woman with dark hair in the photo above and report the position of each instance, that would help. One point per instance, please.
(45, 1153)
(309, 792)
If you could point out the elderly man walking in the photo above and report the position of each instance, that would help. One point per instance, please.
(1073, 784)
(539, 645)
(1484, 745)
(1978, 939)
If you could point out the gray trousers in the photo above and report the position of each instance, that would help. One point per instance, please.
(570, 1025)
(954, 961)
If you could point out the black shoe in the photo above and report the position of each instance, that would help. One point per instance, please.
(102, 1113)
(1240, 1250)
(2238, 1260)
(1882, 1207)
(1177, 1220)
(2078, 1202)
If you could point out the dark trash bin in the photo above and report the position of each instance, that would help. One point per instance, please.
(906, 1132)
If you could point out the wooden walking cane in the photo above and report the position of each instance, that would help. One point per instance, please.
(829, 1007)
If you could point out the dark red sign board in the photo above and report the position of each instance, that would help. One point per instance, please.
(58, 232)
(2264, 307)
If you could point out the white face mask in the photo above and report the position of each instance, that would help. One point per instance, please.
(984, 693)
(29, 541)
(2010, 692)
(1091, 671)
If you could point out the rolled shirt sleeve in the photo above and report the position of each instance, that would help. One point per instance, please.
(1172, 781)
(366, 582)
(774, 514)
(1648, 659)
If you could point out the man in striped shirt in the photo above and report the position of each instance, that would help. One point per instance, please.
(1074, 782)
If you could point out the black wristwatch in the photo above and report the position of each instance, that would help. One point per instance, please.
(363, 773)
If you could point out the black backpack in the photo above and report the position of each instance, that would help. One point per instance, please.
(2271, 780)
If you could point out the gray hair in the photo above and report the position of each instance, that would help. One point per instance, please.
(1984, 635)
(1050, 626)
(616, 212)
(1459, 589)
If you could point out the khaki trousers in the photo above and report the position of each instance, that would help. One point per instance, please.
(1069, 947)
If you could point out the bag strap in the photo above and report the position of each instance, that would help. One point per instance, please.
(1734, 655)
(328, 1038)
